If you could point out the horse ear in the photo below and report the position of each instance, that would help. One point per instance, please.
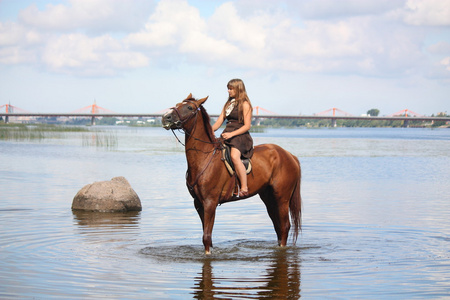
(201, 101)
(189, 97)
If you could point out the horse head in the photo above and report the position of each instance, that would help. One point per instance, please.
(181, 113)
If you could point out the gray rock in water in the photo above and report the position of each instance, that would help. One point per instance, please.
(107, 196)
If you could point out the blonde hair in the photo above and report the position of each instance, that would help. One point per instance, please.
(240, 97)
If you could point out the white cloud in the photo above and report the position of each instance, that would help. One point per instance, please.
(273, 41)
(439, 54)
(17, 42)
(446, 63)
(361, 45)
(427, 12)
(170, 23)
(127, 59)
(249, 33)
(323, 36)
(14, 34)
(91, 15)
(178, 28)
(440, 48)
(326, 9)
(89, 56)
(16, 55)
(60, 38)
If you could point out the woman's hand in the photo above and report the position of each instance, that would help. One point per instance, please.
(227, 135)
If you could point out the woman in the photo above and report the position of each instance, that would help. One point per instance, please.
(238, 113)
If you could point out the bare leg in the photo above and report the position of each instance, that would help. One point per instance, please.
(239, 167)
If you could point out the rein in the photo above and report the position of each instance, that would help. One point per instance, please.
(191, 136)
(191, 187)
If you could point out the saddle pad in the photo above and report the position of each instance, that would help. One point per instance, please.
(226, 157)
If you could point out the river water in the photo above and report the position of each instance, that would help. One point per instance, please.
(376, 220)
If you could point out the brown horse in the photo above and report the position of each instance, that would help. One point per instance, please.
(275, 175)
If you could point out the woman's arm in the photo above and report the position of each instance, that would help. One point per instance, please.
(247, 123)
(219, 121)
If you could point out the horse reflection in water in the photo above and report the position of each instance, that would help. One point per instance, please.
(275, 173)
(282, 281)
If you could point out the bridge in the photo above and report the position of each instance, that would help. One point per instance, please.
(333, 114)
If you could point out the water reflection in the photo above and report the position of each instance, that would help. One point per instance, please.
(102, 219)
(101, 227)
(281, 281)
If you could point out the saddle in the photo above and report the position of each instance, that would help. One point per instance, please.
(226, 157)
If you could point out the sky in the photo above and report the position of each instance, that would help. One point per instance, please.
(294, 56)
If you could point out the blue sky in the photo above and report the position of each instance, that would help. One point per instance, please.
(295, 56)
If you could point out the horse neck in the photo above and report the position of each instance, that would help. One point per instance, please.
(197, 142)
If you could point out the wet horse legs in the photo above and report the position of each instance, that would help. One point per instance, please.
(279, 214)
(207, 213)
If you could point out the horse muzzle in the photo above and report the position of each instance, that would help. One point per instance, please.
(170, 120)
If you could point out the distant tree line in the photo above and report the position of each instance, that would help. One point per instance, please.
(327, 123)
(349, 123)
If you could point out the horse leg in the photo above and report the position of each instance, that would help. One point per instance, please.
(278, 211)
(207, 227)
(285, 224)
(209, 214)
(200, 210)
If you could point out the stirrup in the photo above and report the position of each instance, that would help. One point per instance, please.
(240, 193)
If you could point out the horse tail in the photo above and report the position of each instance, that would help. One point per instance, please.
(295, 205)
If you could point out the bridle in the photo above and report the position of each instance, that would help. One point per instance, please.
(194, 113)
(182, 121)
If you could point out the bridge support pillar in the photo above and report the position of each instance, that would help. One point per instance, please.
(406, 123)
(6, 119)
(333, 123)
(92, 121)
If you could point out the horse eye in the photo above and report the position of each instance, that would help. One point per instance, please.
(190, 107)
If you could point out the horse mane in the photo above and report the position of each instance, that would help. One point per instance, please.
(207, 125)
